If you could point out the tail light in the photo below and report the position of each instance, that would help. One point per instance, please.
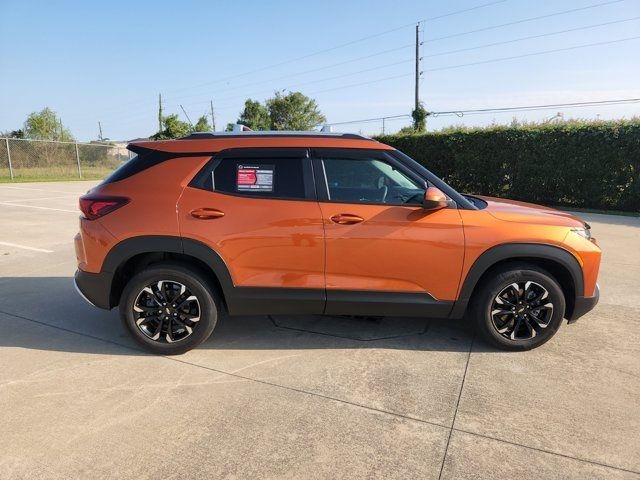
(96, 206)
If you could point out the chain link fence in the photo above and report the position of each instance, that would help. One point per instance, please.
(34, 160)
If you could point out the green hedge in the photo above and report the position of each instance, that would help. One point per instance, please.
(573, 164)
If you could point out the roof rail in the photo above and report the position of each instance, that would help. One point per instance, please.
(273, 133)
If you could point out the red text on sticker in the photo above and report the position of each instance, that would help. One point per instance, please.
(247, 176)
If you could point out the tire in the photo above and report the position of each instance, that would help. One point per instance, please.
(519, 319)
(147, 310)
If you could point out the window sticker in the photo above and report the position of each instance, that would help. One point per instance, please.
(255, 178)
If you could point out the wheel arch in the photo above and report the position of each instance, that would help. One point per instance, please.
(133, 254)
(557, 261)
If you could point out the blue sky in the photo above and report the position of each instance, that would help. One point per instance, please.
(107, 61)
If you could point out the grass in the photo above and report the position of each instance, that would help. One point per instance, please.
(53, 175)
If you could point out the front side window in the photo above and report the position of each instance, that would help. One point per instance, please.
(371, 180)
(260, 177)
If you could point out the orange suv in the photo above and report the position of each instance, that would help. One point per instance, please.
(313, 223)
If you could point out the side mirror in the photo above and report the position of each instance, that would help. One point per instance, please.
(434, 199)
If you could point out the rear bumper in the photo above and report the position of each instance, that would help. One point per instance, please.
(95, 288)
(584, 305)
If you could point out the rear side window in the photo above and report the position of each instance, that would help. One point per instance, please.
(137, 164)
(144, 160)
(260, 177)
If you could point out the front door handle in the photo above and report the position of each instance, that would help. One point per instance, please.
(346, 219)
(206, 213)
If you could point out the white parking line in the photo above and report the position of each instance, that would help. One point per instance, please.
(34, 199)
(39, 190)
(39, 208)
(25, 247)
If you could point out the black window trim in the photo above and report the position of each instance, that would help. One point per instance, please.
(319, 154)
(410, 163)
(261, 153)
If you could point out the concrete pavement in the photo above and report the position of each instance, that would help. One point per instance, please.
(312, 398)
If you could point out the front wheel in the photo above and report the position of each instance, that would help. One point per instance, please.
(168, 308)
(518, 308)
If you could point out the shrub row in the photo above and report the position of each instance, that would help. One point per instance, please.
(573, 164)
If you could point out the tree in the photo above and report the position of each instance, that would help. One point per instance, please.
(173, 128)
(293, 111)
(255, 116)
(407, 130)
(419, 116)
(202, 125)
(176, 128)
(45, 125)
(12, 134)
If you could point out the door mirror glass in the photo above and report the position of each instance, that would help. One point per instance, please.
(434, 199)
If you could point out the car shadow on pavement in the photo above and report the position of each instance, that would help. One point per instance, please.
(46, 313)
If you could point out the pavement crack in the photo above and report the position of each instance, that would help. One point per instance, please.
(239, 377)
(455, 414)
(550, 452)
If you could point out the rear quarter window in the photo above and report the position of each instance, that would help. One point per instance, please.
(144, 160)
(137, 164)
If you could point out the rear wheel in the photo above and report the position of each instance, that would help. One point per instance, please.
(168, 308)
(518, 308)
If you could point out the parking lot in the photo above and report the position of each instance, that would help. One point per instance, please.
(303, 397)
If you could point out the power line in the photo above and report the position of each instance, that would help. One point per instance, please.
(411, 24)
(530, 37)
(544, 52)
(438, 68)
(488, 45)
(450, 67)
(352, 42)
(318, 52)
(457, 12)
(368, 120)
(523, 20)
(461, 113)
(321, 80)
(428, 40)
(407, 46)
(345, 62)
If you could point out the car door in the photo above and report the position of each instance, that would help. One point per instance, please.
(385, 254)
(256, 208)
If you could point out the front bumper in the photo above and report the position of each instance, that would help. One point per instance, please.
(95, 288)
(584, 305)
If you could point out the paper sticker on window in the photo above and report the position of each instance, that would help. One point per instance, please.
(255, 178)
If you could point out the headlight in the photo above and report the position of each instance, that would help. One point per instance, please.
(583, 232)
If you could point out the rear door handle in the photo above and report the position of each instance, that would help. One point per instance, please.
(346, 219)
(206, 213)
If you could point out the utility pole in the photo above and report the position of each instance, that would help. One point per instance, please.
(417, 99)
(186, 115)
(213, 118)
(99, 131)
(159, 112)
